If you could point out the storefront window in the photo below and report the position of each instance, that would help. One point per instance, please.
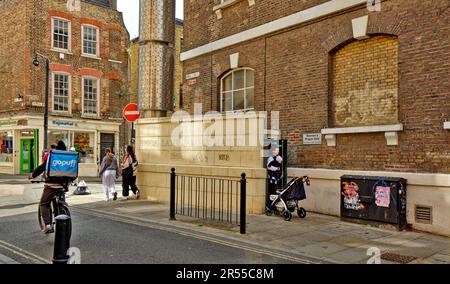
(83, 142)
(6, 147)
(61, 135)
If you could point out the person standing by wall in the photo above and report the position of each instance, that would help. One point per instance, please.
(129, 174)
(275, 174)
(109, 172)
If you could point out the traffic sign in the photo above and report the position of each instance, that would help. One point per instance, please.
(131, 112)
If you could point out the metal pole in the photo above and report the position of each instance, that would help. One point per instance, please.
(47, 79)
(243, 203)
(62, 240)
(172, 195)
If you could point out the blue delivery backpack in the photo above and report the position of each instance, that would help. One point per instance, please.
(62, 166)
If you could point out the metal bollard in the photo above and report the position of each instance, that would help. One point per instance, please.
(172, 194)
(243, 204)
(62, 239)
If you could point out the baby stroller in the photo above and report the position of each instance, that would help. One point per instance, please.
(285, 202)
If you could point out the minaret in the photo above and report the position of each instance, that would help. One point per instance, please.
(156, 57)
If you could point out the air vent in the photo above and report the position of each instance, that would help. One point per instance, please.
(424, 214)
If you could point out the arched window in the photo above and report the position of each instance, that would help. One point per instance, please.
(237, 90)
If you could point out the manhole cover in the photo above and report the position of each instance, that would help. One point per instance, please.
(398, 258)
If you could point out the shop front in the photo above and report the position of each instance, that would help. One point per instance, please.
(22, 142)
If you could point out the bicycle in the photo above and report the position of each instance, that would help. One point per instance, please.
(58, 206)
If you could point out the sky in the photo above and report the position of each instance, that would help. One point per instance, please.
(130, 9)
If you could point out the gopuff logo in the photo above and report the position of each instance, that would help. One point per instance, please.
(64, 163)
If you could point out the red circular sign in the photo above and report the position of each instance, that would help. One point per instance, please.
(131, 112)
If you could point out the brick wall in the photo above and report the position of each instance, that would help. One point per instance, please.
(14, 51)
(293, 75)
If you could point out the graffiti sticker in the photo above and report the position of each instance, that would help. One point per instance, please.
(351, 196)
(383, 196)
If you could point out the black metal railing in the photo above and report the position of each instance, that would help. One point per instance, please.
(221, 200)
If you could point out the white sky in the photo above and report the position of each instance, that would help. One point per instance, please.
(130, 9)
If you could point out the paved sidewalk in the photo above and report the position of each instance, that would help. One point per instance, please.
(318, 236)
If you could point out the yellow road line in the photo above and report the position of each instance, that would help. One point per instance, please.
(23, 253)
(114, 217)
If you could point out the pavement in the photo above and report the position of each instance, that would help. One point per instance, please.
(315, 239)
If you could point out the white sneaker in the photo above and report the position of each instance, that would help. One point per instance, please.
(48, 229)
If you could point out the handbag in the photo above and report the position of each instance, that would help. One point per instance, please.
(128, 172)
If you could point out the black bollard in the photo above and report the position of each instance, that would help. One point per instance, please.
(173, 176)
(243, 204)
(62, 239)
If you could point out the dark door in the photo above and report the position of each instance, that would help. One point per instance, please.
(106, 141)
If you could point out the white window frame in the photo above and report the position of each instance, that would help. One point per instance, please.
(98, 96)
(222, 80)
(97, 55)
(69, 45)
(69, 101)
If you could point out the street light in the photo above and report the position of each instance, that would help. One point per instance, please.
(36, 63)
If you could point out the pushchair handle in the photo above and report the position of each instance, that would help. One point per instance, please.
(305, 179)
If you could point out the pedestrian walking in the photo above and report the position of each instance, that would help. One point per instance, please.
(109, 172)
(129, 174)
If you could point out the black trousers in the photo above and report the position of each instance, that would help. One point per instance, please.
(127, 184)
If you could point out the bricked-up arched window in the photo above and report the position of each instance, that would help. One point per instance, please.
(365, 83)
(237, 90)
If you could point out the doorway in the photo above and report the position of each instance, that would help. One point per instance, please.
(27, 155)
(106, 141)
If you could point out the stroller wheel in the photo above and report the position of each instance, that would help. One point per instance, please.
(287, 215)
(269, 213)
(301, 212)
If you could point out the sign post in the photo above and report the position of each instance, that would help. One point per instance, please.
(131, 113)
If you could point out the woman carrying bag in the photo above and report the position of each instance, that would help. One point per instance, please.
(129, 173)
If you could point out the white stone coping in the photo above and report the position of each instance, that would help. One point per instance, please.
(225, 4)
(447, 125)
(301, 17)
(363, 129)
(422, 179)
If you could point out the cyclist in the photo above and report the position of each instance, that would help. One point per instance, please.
(51, 188)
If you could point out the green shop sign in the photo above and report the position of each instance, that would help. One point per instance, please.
(8, 123)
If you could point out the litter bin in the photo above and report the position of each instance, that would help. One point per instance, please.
(381, 199)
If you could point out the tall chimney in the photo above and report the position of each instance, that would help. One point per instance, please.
(156, 57)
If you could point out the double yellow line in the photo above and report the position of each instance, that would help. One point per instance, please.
(116, 217)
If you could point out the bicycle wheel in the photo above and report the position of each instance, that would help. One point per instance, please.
(40, 219)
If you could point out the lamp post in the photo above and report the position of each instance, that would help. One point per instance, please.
(47, 79)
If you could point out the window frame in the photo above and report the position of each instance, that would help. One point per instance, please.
(69, 39)
(97, 115)
(97, 47)
(69, 101)
(222, 80)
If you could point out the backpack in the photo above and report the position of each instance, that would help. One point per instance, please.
(62, 166)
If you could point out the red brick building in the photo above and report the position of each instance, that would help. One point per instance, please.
(86, 42)
(370, 83)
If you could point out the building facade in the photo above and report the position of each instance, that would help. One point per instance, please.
(368, 82)
(86, 44)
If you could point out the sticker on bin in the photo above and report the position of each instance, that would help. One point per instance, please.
(383, 196)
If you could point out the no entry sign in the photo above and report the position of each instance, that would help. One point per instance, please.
(131, 112)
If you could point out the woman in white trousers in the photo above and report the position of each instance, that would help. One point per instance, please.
(109, 172)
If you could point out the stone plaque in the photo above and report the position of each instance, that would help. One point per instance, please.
(312, 139)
